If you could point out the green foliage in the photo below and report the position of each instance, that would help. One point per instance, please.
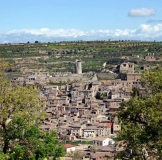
(93, 54)
(77, 156)
(100, 95)
(153, 79)
(3, 156)
(141, 121)
(32, 143)
(20, 116)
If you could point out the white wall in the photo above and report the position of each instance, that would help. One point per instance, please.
(105, 142)
(72, 149)
(89, 134)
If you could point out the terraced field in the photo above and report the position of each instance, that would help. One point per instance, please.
(61, 56)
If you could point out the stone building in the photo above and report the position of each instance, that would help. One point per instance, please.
(78, 66)
(127, 67)
(150, 57)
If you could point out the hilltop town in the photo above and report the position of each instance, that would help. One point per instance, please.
(83, 91)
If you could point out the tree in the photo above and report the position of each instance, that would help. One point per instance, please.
(153, 79)
(141, 120)
(20, 116)
(77, 156)
(33, 143)
(98, 95)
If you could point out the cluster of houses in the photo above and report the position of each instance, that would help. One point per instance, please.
(78, 114)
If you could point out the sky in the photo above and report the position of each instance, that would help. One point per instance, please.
(65, 20)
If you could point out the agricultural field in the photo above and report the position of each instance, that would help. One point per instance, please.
(96, 56)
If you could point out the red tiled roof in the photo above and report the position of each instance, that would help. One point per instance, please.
(68, 146)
